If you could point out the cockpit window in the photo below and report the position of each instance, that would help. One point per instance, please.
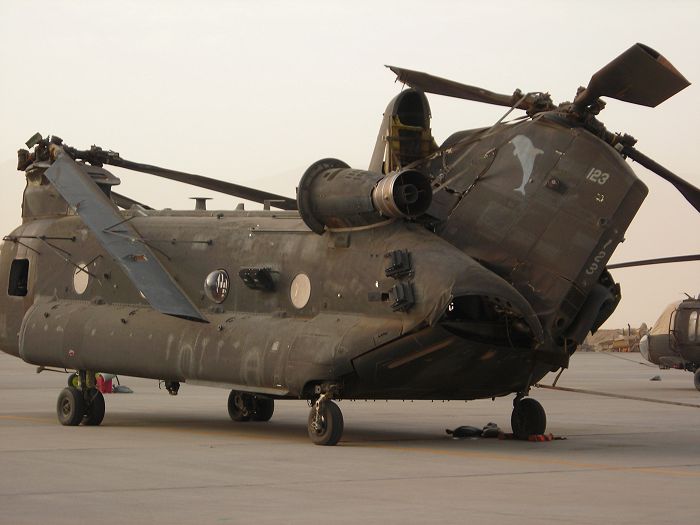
(19, 277)
(693, 326)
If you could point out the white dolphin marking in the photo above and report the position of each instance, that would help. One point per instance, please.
(526, 153)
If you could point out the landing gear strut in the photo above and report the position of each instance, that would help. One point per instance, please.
(528, 418)
(82, 403)
(249, 407)
(325, 424)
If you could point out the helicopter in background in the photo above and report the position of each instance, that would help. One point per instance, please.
(461, 271)
(674, 339)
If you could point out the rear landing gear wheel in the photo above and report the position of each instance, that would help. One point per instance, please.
(263, 408)
(325, 425)
(95, 410)
(528, 418)
(696, 379)
(70, 407)
(240, 406)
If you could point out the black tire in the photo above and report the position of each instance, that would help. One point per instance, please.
(74, 380)
(240, 406)
(70, 407)
(528, 418)
(331, 424)
(95, 411)
(263, 408)
(696, 379)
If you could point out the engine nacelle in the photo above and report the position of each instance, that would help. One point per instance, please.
(333, 195)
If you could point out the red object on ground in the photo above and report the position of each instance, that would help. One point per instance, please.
(541, 437)
(104, 386)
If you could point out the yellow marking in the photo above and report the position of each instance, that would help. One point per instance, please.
(230, 433)
(155, 428)
(534, 460)
(252, 436)
(25, 418)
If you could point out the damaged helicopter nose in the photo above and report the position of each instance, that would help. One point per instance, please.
(332, 195)
(483, 305)
(489, 320)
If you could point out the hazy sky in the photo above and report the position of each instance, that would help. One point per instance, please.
(254, 92)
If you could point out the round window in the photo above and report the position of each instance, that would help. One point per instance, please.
(300, 291)
(80, 279)
(217, 285)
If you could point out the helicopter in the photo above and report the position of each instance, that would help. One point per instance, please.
(674, 340)
(459, 271)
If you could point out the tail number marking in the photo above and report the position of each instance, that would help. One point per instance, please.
(598, 176)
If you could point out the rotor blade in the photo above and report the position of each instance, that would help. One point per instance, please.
(690, 192)
(229, 188)
(120, 239)
(661, 260)
(125, 202)
(441, 86)
(640, 75)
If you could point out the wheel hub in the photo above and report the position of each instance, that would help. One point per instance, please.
(241, 405)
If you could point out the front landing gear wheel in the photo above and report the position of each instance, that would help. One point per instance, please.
(697, 379)
(240, 406)
(325, 424)
(70, 407)
(528, 418)
(95, 411)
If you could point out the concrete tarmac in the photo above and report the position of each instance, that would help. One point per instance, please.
(163, 459)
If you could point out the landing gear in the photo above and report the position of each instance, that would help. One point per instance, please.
(696, 379)
(95, 410)
(70, 407)
(325, 424)
(528, 418)
(263, 408)
(173, 387)
(249, 407)
(80, 404)
(240, 406)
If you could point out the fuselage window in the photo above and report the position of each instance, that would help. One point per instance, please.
(19, 277)
(693, 326)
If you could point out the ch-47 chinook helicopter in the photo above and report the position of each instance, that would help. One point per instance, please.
(461, 271)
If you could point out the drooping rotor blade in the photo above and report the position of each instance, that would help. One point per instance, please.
(229, 188)
(640, 75)
(661, 260)
(120, 239)
(125, 202)
(442, 86)
(690, 192)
